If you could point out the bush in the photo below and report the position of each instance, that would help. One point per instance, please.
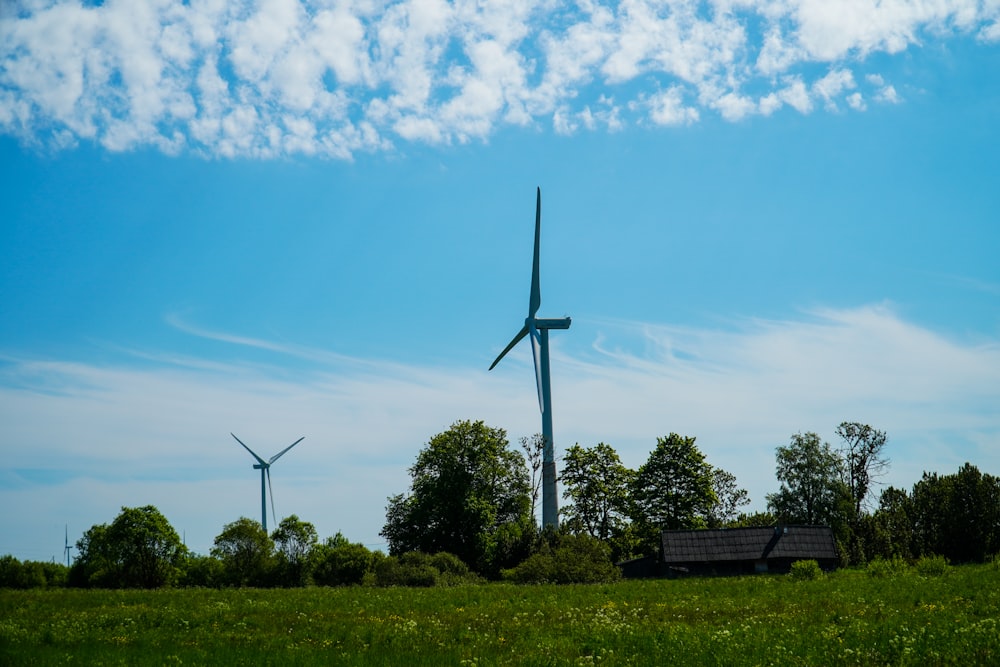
(805, 570)
(202, 571)
(568, 559)
(341, 563)
(932, 566)
(882, 568)
(415, 568)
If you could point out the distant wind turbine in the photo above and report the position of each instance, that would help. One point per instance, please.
(67, 547)
(538, 330)
(265, 471)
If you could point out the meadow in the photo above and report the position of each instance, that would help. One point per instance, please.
(846, 618)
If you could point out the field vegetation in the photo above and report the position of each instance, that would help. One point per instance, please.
(888, 613)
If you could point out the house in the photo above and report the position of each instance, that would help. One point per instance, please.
(736, 551)
(745, 550)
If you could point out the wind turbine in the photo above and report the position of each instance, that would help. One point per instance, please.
(67, 547)
(538, 330)
(265, 471)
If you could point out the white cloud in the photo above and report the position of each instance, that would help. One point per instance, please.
(227, 78)
(667, 108)
(832, 85)
(156, 429)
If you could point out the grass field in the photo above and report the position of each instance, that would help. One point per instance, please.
(847, 618)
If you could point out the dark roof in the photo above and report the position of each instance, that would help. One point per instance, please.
(740, 544)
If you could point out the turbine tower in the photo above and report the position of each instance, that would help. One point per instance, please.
(67, 547)
(265, 471)
(538, 330)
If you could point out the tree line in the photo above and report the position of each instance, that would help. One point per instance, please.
(469, 515)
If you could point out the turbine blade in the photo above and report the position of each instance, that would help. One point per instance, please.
(517, 339)
(536, 355)
(252, 453)
(275, 457)
(270, 492)
(535, 300)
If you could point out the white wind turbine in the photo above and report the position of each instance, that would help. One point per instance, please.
(538, 330)
(265, 471)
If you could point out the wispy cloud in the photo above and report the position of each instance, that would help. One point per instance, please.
(277, 77)
(131, 433)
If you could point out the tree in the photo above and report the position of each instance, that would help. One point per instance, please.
(339, 562)
(140, 549)
(672, 490)
(597, 483)
(534, 448)
(294, 540)
(811, 488)
(893, 528)
(729, 498)
(469, 496)
(246, 552)
(957, 516)
(863, 460)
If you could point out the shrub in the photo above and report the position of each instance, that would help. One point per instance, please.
(881, 568)
(805, 570)
(570, 559)
(932, 566)
(415, 568)
(341, 563)
(202, 571)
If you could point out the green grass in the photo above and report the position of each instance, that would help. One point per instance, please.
(847, 618)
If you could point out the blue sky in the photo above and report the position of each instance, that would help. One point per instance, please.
(286, 219)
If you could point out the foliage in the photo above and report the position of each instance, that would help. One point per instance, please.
(30, 574)
(140, 549)
(202, 571)
(932, 566)
(755, 520)
(811, 491)
(805, 570)
(882, 568)
(845, 618)
(893, 534)
(338, 562)
(423, 570)
(863, 460)
(534, 451)
(957, 516)
(672, 490)
(597, 483)
(729, 498)
(565, 558)
(294, 541)
(469, 496)
(246, 553)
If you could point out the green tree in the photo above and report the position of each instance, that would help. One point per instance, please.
(246, 553)
(294, 541)
(729, 498)
(893, 532)
(812, 491)
(754, 520)
(469, 495)
(534, 448)
(140, 549)
(863, 461)
(597, 483)
(957, 516)
(339, 562)
(30, 574)
(672, 490)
